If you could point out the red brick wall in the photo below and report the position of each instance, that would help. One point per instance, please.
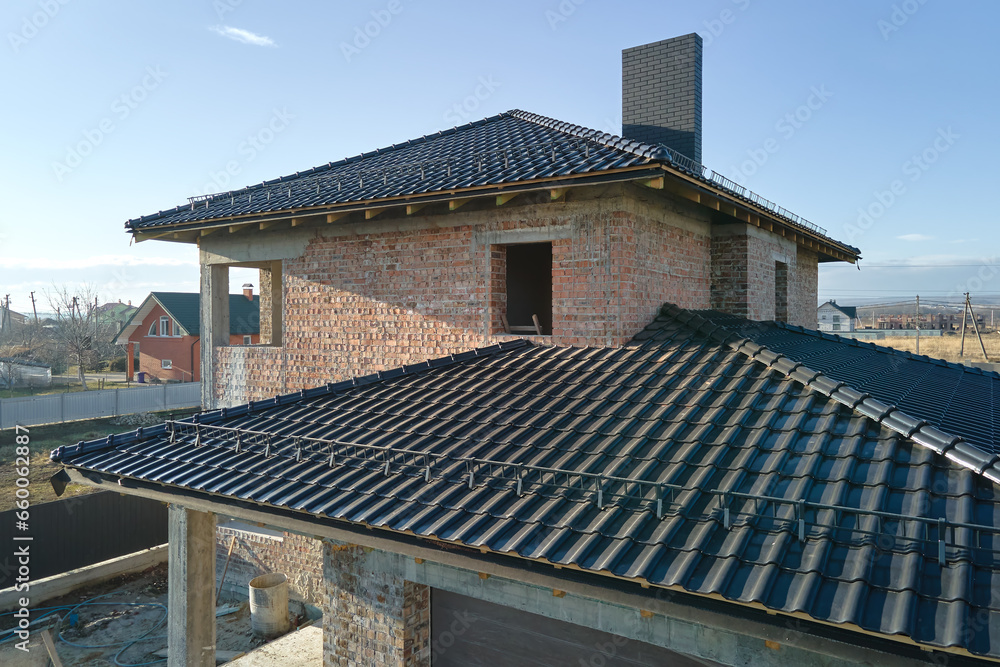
(804, 290)
(358, 304)
(743, 275)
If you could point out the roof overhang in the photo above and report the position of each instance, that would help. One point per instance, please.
(723, 202)
(846, 642)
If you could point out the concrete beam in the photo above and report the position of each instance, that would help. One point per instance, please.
(65, 583)
(657, 620)
(191, 588)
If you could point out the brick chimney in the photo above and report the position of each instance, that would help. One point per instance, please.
(248, 291)
(661, 94)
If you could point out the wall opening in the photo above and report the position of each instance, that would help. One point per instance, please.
(528, 288)
(781, 291)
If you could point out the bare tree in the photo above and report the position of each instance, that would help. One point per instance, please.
(77, 332)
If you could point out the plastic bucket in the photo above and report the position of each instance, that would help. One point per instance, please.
(269, 605)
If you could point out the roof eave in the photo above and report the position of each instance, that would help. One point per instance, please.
(511, 566)
(681, 184)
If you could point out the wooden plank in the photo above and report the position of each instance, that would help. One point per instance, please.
(412, 209)
(556, 194)
(506, 197)
(334, 217)
(657, 183)
(538, 325)
(50, 647)
(371, 213)
(503, 321)
(270, 223)
(456, 204)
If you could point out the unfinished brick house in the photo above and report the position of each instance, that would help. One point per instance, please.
(479, 436)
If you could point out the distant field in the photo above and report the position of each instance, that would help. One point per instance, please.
(947, 347)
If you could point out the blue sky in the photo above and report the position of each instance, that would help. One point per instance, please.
(873, 119)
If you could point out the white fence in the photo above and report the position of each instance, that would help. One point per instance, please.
(33, 410)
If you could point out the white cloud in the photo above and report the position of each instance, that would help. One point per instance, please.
(915, 237)
(242, 36)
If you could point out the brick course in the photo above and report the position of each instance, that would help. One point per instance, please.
(299, 558)
(372, 618)
(743, 274)
(354, 305)
(662, 93)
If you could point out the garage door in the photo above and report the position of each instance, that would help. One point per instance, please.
(466, 632)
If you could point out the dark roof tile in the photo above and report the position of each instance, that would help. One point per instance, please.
(676, 461)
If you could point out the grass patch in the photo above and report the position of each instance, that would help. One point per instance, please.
(43, 439)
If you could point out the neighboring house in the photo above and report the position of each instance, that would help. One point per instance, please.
(10, 322)
(836, 318)
(163, 336)
(683, 484)
(16, 373)
(117, 314)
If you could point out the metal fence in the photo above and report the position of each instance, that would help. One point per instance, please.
(83, 530)
(53, 408)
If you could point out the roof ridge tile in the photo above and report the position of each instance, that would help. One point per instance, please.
(885, 414)
(610, 140)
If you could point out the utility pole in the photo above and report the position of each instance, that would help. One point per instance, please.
(918, 324)
(965, 313)
(975, 324)
(33, 308)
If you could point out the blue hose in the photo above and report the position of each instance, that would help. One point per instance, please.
(127, 644)
(91, 603)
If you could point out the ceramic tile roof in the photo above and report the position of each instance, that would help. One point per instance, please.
(511, 148)
(693, 458)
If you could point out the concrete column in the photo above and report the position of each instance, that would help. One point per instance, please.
(191, 588)
(277, 304)
(214, 325)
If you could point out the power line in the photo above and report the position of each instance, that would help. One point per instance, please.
(919, 266)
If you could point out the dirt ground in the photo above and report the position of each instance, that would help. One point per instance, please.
(106, 629)
(43, 439)
(947, 347)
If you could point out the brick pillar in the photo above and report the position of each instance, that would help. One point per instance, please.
(371, 615)
(730, 275)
